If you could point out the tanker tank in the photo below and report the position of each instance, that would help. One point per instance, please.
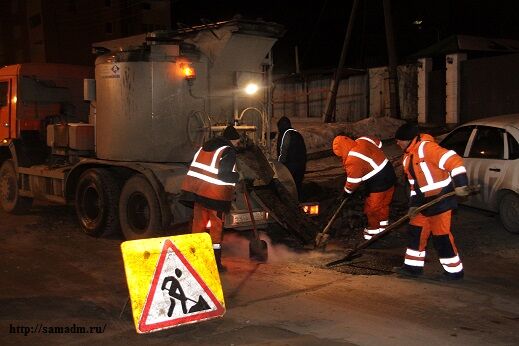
(147, 111)
(143, 105)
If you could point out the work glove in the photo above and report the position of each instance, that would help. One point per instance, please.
(241, 175)
(412, 212)
(462, 191)
(241, 186)
(345, 194)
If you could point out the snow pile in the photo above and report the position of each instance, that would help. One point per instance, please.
(319, 136)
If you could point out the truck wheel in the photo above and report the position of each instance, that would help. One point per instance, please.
(10, 199)
(139, 209)
(97, 202)
(509, 212)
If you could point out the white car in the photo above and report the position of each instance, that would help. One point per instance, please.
(490, 150)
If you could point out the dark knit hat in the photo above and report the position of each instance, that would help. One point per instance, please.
(230, 133)
(406, 132)
(284, 123)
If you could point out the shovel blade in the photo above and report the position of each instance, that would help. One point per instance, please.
(344, 260)
(258, 250)
(320, 240)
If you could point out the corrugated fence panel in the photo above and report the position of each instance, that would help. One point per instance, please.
(308, 98)
(316, 97)
(300, 100)
(351, 102)
(283, 100)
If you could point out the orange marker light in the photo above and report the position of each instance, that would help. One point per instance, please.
(311, 209)
(189, 72)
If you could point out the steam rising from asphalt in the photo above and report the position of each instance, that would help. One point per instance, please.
(236, 245)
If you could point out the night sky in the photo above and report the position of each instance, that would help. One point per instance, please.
(318, 27)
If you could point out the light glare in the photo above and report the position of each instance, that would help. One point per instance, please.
(251, 88)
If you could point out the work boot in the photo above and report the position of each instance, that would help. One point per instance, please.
(452, 276)
(218, 257)
(407, 272)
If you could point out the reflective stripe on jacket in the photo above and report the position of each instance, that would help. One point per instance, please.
(202, 177)
(431, 169)
(363, 162)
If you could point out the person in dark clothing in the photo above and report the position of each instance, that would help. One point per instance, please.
(210, 183)
(291, 151)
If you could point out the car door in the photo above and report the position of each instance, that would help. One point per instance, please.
(4, 109)
(511, 181)
(458, 139)
(486, 165)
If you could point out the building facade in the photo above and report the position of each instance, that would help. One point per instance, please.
(62, 31)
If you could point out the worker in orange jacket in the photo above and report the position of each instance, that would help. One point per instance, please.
(365, 163)
(431, 171)
(210, 183)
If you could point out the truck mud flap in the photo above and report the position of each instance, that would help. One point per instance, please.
(287, 213)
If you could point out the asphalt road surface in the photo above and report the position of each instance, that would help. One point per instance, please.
(52, 275)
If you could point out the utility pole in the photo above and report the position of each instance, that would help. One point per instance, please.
(332, 95)
(394, 104)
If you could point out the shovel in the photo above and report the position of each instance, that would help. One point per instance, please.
(322, 238)
(257, 247)
(354, 252)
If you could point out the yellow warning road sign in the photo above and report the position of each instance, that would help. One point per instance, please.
(172, 281)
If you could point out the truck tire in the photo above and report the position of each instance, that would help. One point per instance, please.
(509, 212)
(97, 202)
(10, 199)
(139, 209)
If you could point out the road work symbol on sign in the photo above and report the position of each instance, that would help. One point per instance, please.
(174, 282)
(176, 292)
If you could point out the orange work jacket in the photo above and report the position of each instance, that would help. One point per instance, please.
(202, 177)
(362, 160)
(431, 169)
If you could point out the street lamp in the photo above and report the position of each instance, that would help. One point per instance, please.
(420, 25)
(251, 88)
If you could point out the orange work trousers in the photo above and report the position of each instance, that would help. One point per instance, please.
(420, 229)
(201, 216)
(376, 208)
(437, 225)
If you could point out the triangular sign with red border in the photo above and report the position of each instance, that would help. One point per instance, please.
(178, 295)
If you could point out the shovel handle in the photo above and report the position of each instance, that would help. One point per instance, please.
(320, 236)
(334, 216)
(247, 201)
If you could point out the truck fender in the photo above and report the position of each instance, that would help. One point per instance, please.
(8, 150)
(5, 153)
